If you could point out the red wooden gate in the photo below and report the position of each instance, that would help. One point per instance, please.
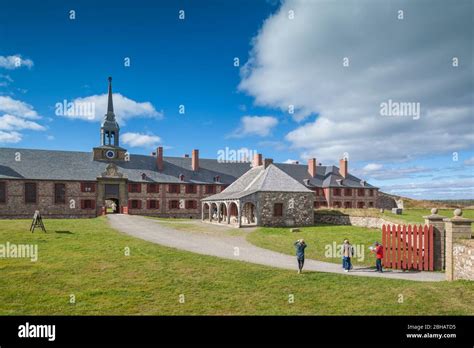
(408, 247)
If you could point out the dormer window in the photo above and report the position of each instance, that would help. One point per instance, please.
(339, 181)
(143, 176)
(181, 177)
(362, 182)
(217, 178)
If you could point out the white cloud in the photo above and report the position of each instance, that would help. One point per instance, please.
(291, 161)
(124, 108)
(300, 62)
(10, 137)
(380, 172)
(15, 62)
(140, 140)
(10, 122)
(469, 161)
(435, 189)
(17, 108)
(15, 116)
(255, 125)
(372, 167)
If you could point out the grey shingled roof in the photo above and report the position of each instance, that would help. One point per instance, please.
(72, 165)
(326, 176)
(260, 179)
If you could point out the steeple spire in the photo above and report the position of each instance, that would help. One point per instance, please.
(110, 129)
(110, 105)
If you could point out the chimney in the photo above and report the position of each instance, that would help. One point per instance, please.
(343, 167)
(312, 167)
(267, 162)
(257, 160)
(195, 160)
(159, 158)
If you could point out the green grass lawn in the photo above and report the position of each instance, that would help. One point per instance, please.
(86, 258)
(320, 239)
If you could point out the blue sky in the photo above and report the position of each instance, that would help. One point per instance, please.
(283, 61)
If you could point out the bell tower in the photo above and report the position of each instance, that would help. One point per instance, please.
(109, 148)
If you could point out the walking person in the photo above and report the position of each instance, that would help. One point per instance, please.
(347, 253)
(300, 245)
(378, 250)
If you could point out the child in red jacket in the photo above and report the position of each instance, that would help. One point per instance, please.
(378, 250)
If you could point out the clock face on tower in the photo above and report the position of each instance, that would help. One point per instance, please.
(110, 154)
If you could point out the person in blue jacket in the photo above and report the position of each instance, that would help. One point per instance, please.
(300, 245)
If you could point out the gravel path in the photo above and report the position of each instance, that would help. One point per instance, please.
(237, 248)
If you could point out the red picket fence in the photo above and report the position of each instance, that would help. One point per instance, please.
(408, 247)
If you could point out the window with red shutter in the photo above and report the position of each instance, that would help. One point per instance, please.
(191, 188)
(153, 188)
(210, 189)
(153, 204)
(87, 204)
(134, 188)
(174, 188)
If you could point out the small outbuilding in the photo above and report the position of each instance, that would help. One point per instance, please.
(264, 196)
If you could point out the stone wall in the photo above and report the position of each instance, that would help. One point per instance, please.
(385, 201)
(362, 221)
(297, 208)
(463, 259)
(15, 206)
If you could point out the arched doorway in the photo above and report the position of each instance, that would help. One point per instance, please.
(112, 205)
(223, 213)
(214, 215)
(205, 211)
(233, 213)
(249, 214)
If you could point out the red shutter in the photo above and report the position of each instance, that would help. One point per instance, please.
(148, 204)
(130, 204)
(82, 204)
(93, 187)
(169, 204)
(82, 187)
(129, 188)
(92, 204)
(139, 188)
(139, 205)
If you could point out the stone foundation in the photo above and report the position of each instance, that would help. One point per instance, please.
(362, 221)
(463, 259)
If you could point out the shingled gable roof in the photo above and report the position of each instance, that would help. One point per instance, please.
(326, 176)
(260, 179)
(80, 166)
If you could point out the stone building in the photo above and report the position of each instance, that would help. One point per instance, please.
(264, 196)
(88, 184)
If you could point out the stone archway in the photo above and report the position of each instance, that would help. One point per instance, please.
(223, 212)
(214, 216)
(205, 212)
(233, 216)
(249, 214)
